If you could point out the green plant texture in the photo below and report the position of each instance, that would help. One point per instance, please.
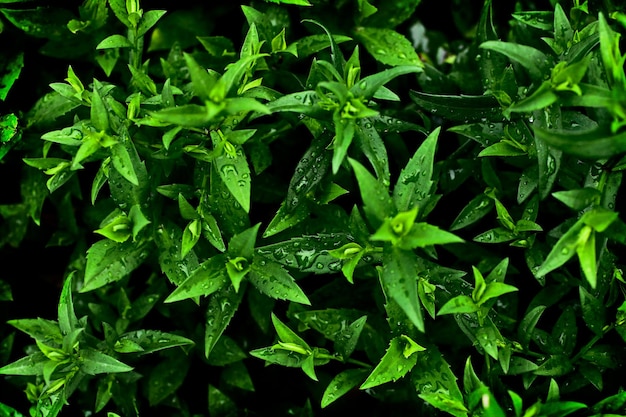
(312, 208)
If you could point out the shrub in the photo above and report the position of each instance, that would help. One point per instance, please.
(392, 208)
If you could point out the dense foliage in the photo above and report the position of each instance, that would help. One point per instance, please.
(200, 198)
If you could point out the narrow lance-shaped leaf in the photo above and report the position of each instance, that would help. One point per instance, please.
(67, 318)
(341, 384)
(369, 85)
(209, 277)
(377, 202)
(222, 307)
(274, 281)
(388, 46)
(535, 61)
(93, 362)
(399, 278)
(400, 358)
(152, 340)
(415, 180)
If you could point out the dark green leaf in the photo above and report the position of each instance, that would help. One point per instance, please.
(153, 340)
(462, 108)
(93, 362)
(341, 384)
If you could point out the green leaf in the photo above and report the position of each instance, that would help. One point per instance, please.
(368, 86)
(166, 377)
(93, 362)
(377, 202)
(436, 383)
(152, 340)
(415, 183)
(286, 335)
(399, 281)
(168, 239)
(388, 46)
(68, 321)
(222, 307)
(394, 364)
(272, 280)
(123, 163)
(191, 236)
(114, 41)
(423, 235)
(347, 339)
(307, 253)
(235, 173)
(463, 108)
(109, 262)
(554, 366)
(563, 250)
(242, 244)
(371, 144)
(475, 210)
(341, 384)
(585, 144)
(459, 304)
(578, 199)
(148, 20)
(10, 70)
(29, 365)
(536, 62)
(202, 81)
(188, 115)
(528, 323)
(594, 311)
(209, 277)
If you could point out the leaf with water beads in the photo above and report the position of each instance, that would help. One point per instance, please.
(400, 358)
(274, 281)
(109, 262)
(307, 253)
(235, 173)
(152, 340)
(399, 282)
(368, 86)
(377, 202)
(388, 46)
(209, 277)
(347, 338)
(222, 307)
(415, 180)
(536, 62)
(475, 210)
(462, 108)
(166, 377)
(341, 384)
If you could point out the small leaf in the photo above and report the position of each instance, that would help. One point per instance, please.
(459, 304)
(222, 307)
(209, 277)
(528, 323)
(341, 384)
(578, 199)
(535, 61)
(272, 280)
(93, 362)
(393, 365)
(153, 340)
(68, 321)
(286, 335)
(377, 202)
(415, 180)
(399, 281)
(388, 46)
(114, 41)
